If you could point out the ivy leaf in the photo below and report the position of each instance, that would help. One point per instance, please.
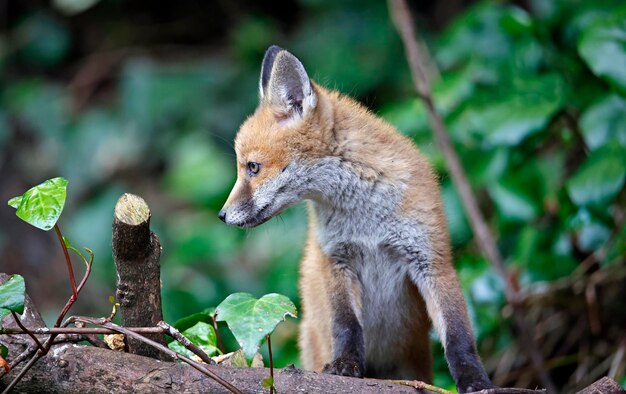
(250, 320)
(201, 335)
(12, 295)
(599, 178)
(189, 321)
(509, 121)
(42, 205)
(605, 122)
(603, 48)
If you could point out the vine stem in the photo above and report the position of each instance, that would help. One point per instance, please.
(217, 334)
(57, 229)
(77, 290)
(269, 350)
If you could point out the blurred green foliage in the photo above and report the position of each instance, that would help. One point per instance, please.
(535, 101)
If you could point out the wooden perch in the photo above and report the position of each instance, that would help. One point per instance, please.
(137, 252)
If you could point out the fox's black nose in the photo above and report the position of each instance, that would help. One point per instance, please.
(222, 215)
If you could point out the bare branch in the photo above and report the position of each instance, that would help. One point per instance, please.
(183, 340)
(29, 333)
(78, 330)
(160, 347)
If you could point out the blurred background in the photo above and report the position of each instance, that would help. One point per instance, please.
(145, 97)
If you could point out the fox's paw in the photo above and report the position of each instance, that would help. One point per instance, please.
(344, 366)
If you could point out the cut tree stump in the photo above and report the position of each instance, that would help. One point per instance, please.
(137, 252)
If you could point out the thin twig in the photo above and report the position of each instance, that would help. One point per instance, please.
(508, 390)
(200, 367)
(29, 333)
(23, 356)
(78, 330)
(70, 270)
(419, 385)
(217, 334)
(401, 16)
(183, 340)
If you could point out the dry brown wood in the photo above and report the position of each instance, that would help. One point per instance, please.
(136, 252)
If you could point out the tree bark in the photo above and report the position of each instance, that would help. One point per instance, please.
(137, 252)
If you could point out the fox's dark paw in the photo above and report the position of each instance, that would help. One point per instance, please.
(475, 385)
(345, 367)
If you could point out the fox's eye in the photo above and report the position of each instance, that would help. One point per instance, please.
(253, 168)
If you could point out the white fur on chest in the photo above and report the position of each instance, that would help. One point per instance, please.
(365, 215)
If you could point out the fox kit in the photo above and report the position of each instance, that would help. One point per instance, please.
(377, 261)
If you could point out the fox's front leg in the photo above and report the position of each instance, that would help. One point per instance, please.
(347, 333)
(440, 289)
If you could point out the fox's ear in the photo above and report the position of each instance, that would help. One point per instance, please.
(266, 67)
(285, 84)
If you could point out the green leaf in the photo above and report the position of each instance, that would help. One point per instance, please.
(12, 294)
(605, 122)
(508, 121)
(513, 201)
(3, 313)
(197, 158)
(4, 352)
(42, 205)
(591, 231)
(15, 202)
(73, 7)
(603, 48)
(42, 40)
(191, 320)
(201, 335)
(478, 33)
(600, 177)
(250, 320)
